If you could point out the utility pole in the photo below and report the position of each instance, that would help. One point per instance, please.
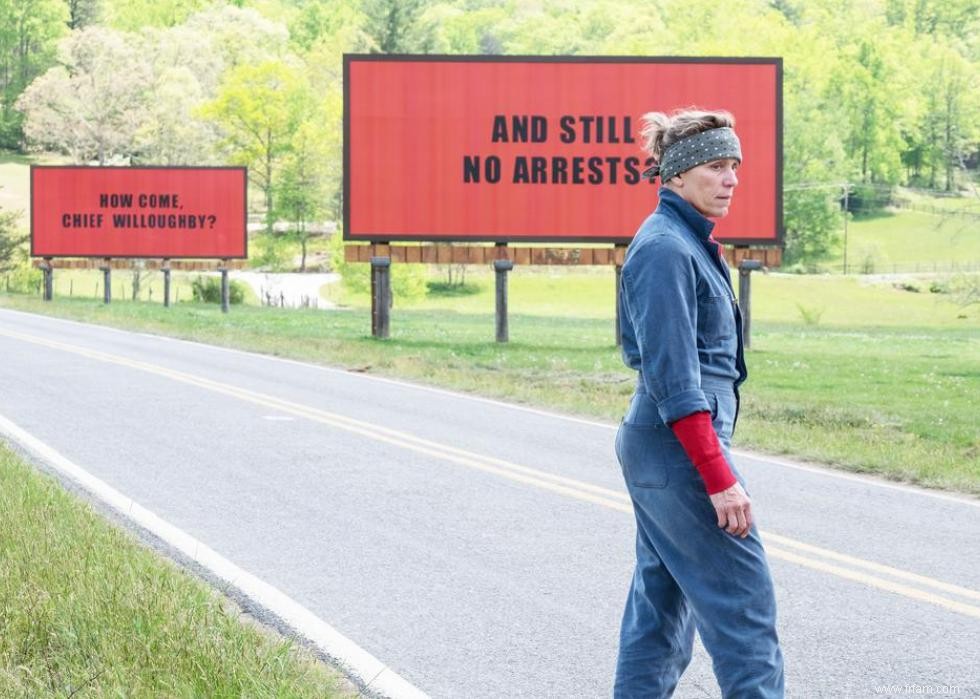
(847, 189)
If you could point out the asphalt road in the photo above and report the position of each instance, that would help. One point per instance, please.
(481, 549)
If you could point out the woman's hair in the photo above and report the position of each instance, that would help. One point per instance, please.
(659, 130)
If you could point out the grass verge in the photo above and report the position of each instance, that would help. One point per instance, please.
(85, 611)
(892, 400)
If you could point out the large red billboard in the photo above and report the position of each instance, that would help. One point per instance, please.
(541, 149)
(168, 212)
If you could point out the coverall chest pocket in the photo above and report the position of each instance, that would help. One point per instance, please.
(716, 319)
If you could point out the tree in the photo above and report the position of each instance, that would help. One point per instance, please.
(863, 88)
(236, 36)
(133, 15)
(10, 240)
(82, 13)
(29, 30)
(327, 20)
(258, 109)
(91, 105)
(302, 187)
(395, 26)
(953, 114)
(170, 132)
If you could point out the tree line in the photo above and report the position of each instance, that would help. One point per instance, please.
(877, 93)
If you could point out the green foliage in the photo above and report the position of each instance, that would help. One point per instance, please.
(812, 221)
(452, 290)
(133, 15)
(965, 289)
(16, 272)
(90, 105)
(869, 199)
(82, 13)
(394, 26)
(810, 314)
(208, 290)
(29, 30)
(10, 240)
(877, 93)
(22, 278)
(408, 281)
(271, 252)
(260, 108)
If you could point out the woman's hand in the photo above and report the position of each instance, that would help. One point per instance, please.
(734, 510)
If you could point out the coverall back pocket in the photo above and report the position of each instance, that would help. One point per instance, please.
(644, 454)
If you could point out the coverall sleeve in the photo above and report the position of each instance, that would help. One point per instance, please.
(660, 298)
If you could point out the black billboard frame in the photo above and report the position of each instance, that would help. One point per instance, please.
(243, 168)
(348, 58)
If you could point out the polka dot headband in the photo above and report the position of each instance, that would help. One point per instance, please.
(682, 155)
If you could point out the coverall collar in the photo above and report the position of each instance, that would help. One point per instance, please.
(678, 206)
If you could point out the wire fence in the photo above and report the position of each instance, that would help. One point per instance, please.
(870, 266)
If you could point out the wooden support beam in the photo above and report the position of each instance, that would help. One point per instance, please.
(444, 254)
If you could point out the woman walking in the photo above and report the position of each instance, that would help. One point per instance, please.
(699, 560)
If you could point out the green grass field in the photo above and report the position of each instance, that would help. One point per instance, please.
(86, 612)
(785, 298)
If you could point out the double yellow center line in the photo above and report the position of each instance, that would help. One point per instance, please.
(895, 580)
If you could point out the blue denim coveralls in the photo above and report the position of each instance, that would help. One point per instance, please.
(682, 331)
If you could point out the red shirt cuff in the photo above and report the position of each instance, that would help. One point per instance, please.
(700, 441)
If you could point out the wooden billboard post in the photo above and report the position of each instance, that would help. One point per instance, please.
(225, 301)
(165, 267)
(106, 281)
(48, 271)
(501, 268)
(381, 296)
(745, 269)
(619, 254)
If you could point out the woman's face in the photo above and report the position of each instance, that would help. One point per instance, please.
(708, 187)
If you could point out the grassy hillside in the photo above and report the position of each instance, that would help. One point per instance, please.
(911, 240)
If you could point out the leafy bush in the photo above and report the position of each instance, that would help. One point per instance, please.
(408, 281)
(208, 290)
(23, 279)
(965, 289)
(813, 218)
(811, 316)
(907, 286)
(938, 287)
(442, 288)
(869, 199)
(271, 252)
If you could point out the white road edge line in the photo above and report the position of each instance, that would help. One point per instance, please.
(358, 663)
(814, 469)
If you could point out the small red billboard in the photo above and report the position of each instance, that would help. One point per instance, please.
(541, 149)
(166, 212)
